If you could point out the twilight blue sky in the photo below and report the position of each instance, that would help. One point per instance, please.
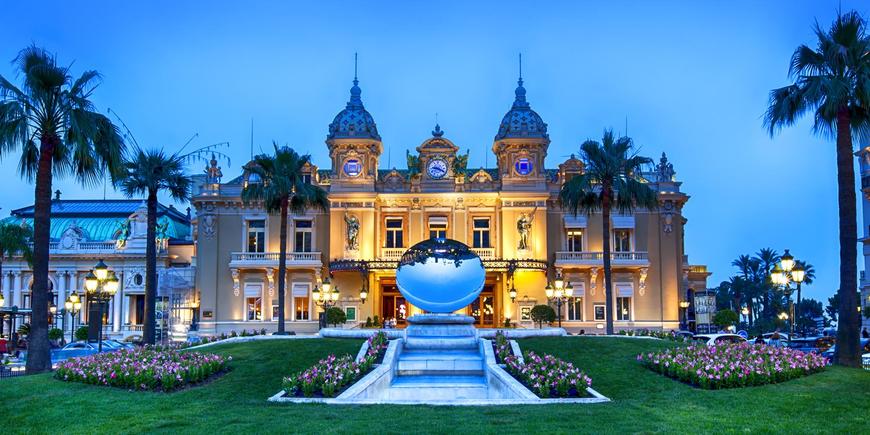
(691, 77)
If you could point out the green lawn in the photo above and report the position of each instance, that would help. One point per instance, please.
(836, 401)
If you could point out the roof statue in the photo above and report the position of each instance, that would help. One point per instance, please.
(664, 170)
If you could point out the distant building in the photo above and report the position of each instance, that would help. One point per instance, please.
(864, 234)
(508, 214)
(85, 231)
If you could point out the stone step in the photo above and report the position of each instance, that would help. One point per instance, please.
(441, 331)
(466, 362)
(441, 343)
(438, 388)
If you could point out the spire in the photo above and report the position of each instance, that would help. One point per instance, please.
(355, 100)
(437, 132)
(520, 92)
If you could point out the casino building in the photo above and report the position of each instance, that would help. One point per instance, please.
(509, 215)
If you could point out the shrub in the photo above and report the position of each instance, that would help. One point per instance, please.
(146, 368)
(376, 322)
(732, 365)
(335, 315)
(725, 318)
(55, 334)
(368, 322)
(82, 333)
(543, 314)
(24, 329)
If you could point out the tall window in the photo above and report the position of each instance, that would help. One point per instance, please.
(623, 308)
(575, 308)
(306, 178)
(302, 241)
(300, 301)
(575, 240)
(255, 308)
(622, 240)
(437, 227)
(257, 236)
(481, 233)
(395, 236)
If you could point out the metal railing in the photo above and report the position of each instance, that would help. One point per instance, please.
(598, 256)
(265, 257)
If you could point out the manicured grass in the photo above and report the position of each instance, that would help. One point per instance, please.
(833, 401)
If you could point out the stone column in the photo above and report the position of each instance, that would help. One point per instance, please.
(7, 289)
(16, 288)
(116, 304)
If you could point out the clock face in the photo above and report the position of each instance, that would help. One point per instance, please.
(523, 166)
(436, 168)
(352, 167)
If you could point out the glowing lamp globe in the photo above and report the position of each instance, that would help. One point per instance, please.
(440, 275)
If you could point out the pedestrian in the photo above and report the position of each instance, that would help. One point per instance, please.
(774, 339)
(865, 334)
(759, 339)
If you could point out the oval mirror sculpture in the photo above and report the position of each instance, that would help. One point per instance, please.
(440, 275)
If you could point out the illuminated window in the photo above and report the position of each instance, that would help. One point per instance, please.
(622, 240)
(257, 236)
(254, 308)
(302, 240)
(481, 233)
(623, 308)
(438, 227)
(575, 308)
(301, 304)
(575, 240)
(395, 235)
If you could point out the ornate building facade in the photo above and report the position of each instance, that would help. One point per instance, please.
(86, 231)
(509, 215)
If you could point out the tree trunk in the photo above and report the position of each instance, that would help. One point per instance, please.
(847, 353)
(608, 282)
(38, 353)
(798, 310)
(282, 264)
(150, 333)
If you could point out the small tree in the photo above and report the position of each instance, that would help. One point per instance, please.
(55, 334)
(82, 333)
(335, 315)
(368, 322)
(725, 318)
(543, 313)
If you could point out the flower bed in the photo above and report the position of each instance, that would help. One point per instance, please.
(146, 368)
(733, 365)
(332, 374)
(546, 376)
(664, 335)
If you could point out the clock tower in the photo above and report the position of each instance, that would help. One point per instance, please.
(521, 145)
(354, 146)
(438, 163)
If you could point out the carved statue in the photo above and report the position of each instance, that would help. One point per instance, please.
(524, 227)
(121, 234)
(413, 164)
(460, 163)
(162, 235)
(665, 170)
(213, 172)
(352, 232)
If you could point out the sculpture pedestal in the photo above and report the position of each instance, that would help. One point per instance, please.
(440, 331)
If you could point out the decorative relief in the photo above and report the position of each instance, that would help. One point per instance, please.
(642, 281)
(668, 216)
(235, 273)
(593, 280)
(524, 228)
(270, 277)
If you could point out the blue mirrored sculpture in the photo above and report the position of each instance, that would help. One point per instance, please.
(440, 275)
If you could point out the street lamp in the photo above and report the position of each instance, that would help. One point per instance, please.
(73, 305)
(513, 294)
(101, 285)
(325, 296)
(785, 272)
(684, 314)
(558, 293)
(2, 300)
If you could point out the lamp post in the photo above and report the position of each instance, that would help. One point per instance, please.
(101, 285)
(325, 296)
(684, 314)
(72, 305)
(559, 293)
(745, 312)
(783, 274)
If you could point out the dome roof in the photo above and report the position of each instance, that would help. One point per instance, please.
(521, 121)
(354, 122)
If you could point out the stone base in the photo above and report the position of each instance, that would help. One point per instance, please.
(441, 319)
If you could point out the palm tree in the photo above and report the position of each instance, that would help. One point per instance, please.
(282, 189)
(611, 180)
(767, 259)
(14, 239)
(59, 132)
(148, 173)
(832, 82)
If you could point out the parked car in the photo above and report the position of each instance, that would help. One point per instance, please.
(115, 344)
(865, 348)
(812, 344)
(716, 339)
(74, 349)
